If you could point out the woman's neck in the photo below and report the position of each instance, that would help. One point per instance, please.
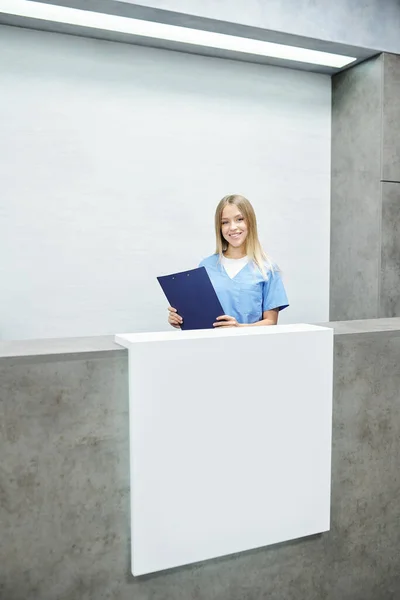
(235, 252)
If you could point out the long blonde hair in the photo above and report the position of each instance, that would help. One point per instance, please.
(254, 250)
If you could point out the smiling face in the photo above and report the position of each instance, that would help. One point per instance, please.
(233, 226)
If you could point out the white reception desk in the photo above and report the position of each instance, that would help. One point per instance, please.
(230, 440)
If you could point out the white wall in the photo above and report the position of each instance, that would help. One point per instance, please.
(112, 160)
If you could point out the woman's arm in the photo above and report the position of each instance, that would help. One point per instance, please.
(173, 318)
(270, 317)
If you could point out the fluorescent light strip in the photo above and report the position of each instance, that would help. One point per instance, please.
(173, 33)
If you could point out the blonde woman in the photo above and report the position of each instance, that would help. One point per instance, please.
(248, 286)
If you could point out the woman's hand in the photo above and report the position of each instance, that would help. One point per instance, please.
(173, 318)
(226, 321)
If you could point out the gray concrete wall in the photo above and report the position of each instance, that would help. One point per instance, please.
(389, 302)
(365, 198)
(355, 191)
(374, 24)
(64, 485)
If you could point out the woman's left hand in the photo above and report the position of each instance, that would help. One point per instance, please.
(226, 321)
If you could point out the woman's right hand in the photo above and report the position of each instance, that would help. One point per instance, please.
(173, 318)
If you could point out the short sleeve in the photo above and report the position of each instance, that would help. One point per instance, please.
(274, 294)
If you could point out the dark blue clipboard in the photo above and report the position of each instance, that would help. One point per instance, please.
(193, 296)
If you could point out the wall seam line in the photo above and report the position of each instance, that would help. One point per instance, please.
(380, 207)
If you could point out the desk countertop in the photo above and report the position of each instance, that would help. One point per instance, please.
(104, 345)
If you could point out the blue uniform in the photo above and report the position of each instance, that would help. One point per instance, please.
(248, 294)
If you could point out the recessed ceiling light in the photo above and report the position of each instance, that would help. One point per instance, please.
(173, 33)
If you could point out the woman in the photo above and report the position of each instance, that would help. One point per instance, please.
(248, 286)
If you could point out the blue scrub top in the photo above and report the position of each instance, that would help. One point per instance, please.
(248, 294)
